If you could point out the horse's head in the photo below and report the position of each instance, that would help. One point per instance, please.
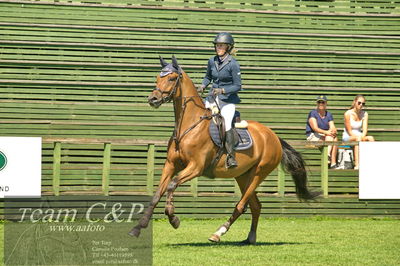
(167, 83)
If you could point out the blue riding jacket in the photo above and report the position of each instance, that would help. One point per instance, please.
(226, 75)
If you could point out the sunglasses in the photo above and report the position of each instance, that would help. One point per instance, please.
(321, 102)
(361, 103)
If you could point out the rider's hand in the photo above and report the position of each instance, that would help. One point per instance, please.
(200, 89)
(217, 91)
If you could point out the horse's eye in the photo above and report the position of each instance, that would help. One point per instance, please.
(172, 79)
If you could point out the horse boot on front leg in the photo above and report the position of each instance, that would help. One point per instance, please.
(230, 149)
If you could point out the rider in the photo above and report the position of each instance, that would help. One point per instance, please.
(224, 71)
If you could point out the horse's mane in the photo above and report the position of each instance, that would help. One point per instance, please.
(188, 79)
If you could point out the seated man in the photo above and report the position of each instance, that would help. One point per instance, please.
(320, 126)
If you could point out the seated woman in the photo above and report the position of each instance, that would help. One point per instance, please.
(320, 126)
(356, 125)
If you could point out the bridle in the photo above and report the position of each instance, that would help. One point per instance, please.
(170, 93)
(177, 135)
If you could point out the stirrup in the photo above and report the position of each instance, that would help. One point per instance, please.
(230, 162)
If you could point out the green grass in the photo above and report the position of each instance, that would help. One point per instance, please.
(281, 241)
(305, 241)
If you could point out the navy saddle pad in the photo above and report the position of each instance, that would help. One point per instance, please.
(245, 140)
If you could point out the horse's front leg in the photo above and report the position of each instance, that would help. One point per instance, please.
(190, 172)
(167, 174)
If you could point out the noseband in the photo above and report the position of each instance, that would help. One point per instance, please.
(171, 93)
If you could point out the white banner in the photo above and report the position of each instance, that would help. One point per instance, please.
(20, 166)
(379, 176)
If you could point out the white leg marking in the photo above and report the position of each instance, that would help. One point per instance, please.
(221, 231)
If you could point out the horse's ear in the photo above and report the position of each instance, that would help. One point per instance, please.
(175, 63)
(162, 62)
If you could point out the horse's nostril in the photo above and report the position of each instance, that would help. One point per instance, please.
(153, 101)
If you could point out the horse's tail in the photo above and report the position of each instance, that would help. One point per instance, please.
(294, 164)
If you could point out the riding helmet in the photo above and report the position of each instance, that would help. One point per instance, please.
(224, 37)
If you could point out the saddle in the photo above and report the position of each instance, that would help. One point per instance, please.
(243, 138)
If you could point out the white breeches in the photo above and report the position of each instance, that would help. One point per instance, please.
(227, 112)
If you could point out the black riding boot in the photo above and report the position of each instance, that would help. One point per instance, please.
(230, 145)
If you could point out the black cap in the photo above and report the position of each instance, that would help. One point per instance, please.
(322, 98)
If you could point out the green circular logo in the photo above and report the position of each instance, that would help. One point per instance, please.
(3, 161)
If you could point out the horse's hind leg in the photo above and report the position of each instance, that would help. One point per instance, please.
(255, 206)
(248, 184)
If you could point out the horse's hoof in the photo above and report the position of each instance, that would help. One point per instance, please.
(175, 222)
(247, 242)
(134, 232)
(214, 238)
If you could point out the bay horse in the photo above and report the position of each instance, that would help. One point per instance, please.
(191, 152)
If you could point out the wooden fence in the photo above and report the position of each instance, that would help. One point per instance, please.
(149, 186)
(83, 69)
(202, 195)
(108, 159)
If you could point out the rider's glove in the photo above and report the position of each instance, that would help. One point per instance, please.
(217, 91)
(200, 89)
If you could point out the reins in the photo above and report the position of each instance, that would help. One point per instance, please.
(178, 122)
(177, 137)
